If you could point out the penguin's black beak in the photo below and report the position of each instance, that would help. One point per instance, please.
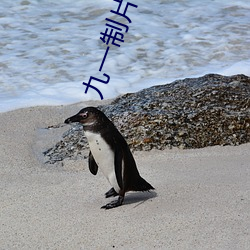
(74, 118)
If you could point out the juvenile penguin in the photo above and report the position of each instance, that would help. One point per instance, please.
(110, 152)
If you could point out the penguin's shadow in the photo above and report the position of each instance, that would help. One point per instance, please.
(137, 198)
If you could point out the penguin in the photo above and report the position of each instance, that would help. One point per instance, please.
(110, 152)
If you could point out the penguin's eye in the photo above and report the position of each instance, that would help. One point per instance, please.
(84, 115)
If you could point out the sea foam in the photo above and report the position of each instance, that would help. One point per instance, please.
(49, 48)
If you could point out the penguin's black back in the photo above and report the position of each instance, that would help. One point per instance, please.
(132, 180)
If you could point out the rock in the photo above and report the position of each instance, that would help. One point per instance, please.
(190, 113)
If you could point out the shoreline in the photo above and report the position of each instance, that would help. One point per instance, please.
(201, 198)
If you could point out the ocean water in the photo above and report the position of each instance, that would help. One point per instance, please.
(48, 48)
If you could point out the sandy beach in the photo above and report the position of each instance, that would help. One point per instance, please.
(201, 198)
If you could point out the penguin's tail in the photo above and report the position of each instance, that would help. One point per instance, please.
(141, 185)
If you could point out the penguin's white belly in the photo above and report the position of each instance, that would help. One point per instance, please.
(104, 157)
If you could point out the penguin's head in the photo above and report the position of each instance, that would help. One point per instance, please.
(88, 117)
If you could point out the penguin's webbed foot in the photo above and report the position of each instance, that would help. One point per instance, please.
(113, 204)
(111, 193)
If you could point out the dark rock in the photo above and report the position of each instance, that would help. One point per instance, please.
(190, 113)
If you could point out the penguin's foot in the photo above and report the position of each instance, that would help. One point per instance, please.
(111, 193)
(113, 204)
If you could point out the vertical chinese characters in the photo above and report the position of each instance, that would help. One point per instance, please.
(113, 33)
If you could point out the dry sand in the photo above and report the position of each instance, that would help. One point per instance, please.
(201, 201)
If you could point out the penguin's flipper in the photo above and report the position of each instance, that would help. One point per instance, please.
(118, 166)
(115, 203)
(93, 167)
(111, 193)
